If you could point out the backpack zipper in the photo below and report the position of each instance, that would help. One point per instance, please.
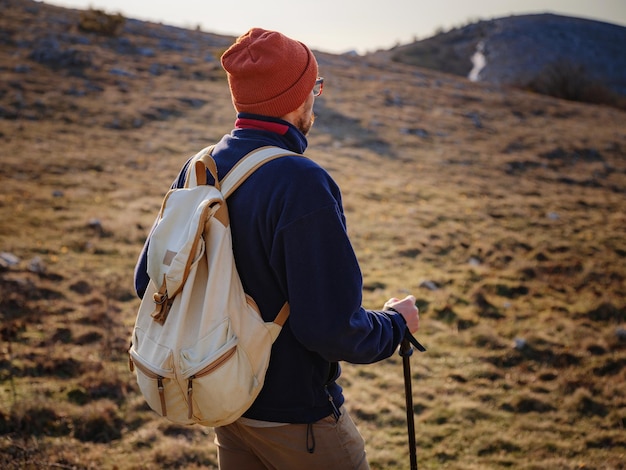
(151, 375)
(216, 364)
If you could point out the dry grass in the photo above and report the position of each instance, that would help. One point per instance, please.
(502, 211)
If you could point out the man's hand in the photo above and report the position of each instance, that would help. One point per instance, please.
(407, 308)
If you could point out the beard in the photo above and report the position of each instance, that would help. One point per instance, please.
(304, 124)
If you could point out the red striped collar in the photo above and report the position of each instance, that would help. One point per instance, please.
(246, 123)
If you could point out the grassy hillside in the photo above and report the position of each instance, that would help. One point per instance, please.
(502, 211)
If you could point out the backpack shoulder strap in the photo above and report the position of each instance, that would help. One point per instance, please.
(249, 164)
(237, 175)
(196, 170)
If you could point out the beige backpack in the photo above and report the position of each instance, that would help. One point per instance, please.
(200, 348)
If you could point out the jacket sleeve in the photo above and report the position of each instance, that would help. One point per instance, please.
(324, 285)
(141, 271)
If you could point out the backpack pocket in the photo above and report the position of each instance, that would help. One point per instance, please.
(156, 378)
(217, 359)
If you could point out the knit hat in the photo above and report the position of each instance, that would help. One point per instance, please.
(269, 73)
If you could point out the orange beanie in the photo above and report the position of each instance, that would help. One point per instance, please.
(269, 73)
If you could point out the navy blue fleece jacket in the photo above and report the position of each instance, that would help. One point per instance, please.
(290, 244)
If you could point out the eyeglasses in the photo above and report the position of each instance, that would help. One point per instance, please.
(319, 86)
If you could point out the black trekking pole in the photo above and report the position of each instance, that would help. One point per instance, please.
(406, 349)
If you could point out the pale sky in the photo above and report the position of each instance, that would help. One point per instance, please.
(338, 26)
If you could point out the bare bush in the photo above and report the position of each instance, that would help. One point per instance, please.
(571, 81)
(97, 21)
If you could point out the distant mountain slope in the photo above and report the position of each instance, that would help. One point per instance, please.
(522, 50)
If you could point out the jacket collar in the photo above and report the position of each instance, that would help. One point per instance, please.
(285, 132)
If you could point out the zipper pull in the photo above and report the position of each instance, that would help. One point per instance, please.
(161, 394)
(190, 396)
(336, 412)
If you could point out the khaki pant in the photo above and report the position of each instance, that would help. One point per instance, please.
(326, 445)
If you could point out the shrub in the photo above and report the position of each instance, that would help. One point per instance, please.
(570, 81)
(100, 423)
(97, 21)
(37, 419)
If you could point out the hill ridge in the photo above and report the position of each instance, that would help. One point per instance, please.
(519, 49)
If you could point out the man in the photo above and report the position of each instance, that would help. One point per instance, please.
(290, 244)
